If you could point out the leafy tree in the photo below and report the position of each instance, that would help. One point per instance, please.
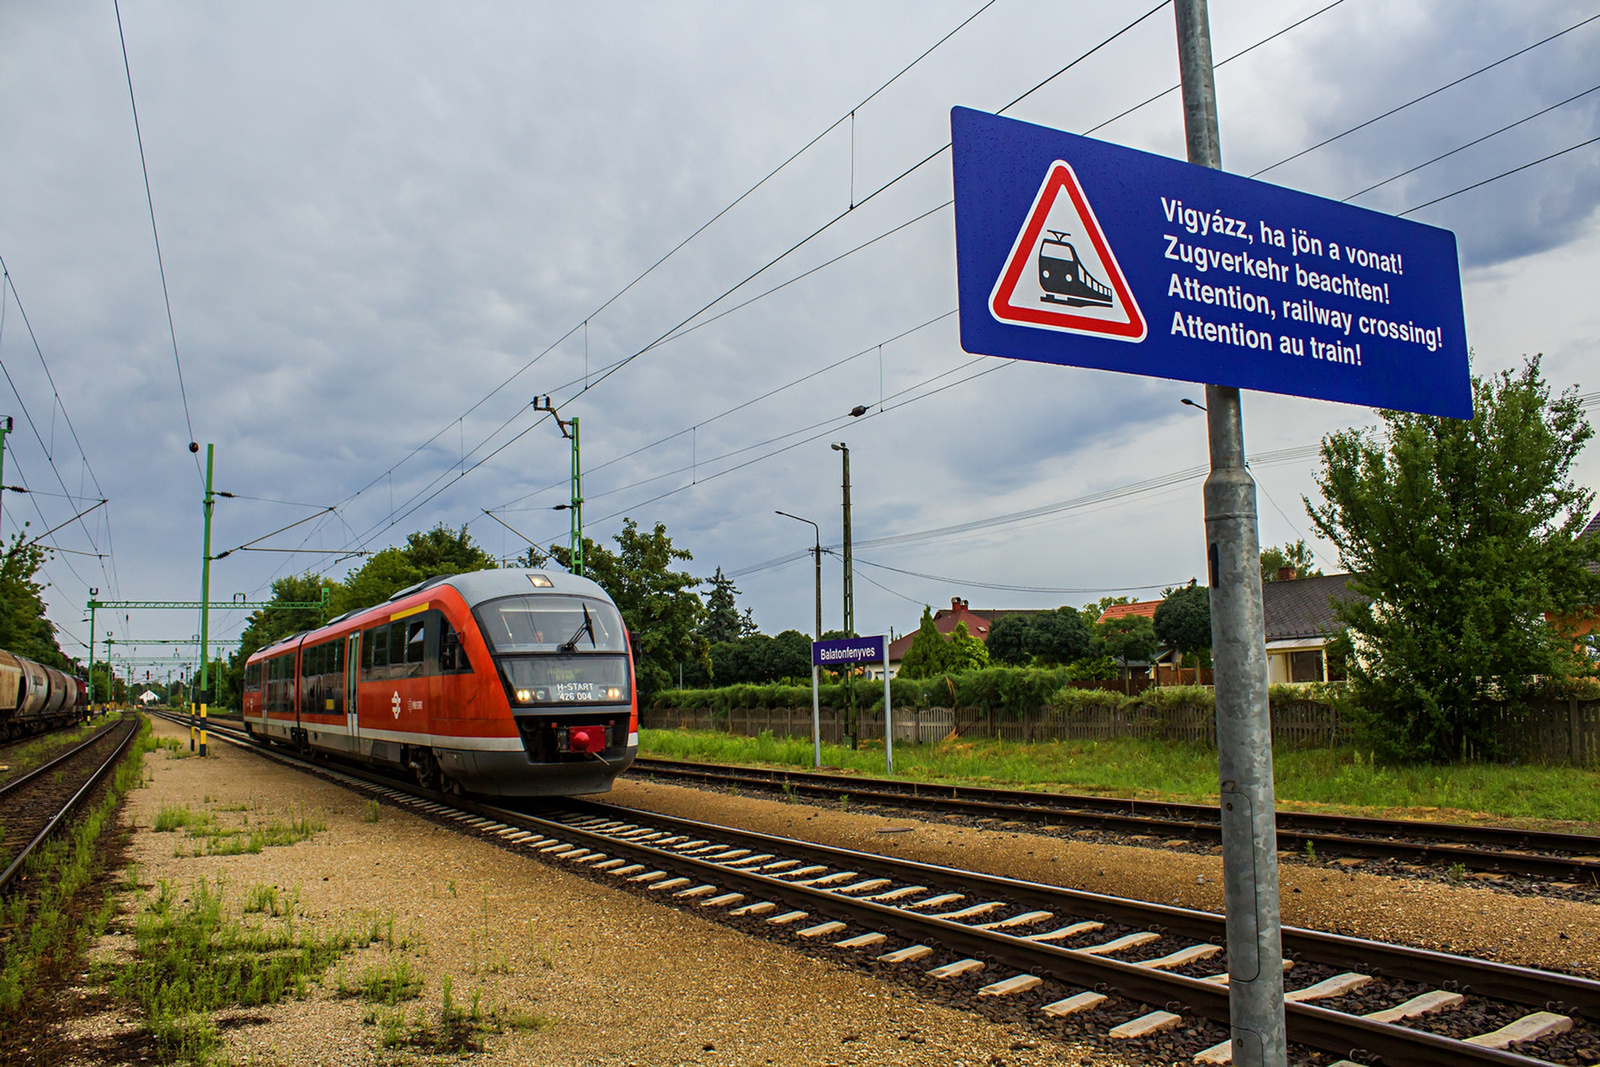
(1464, 535)
(1128, 637)
(1183, 619)
(659, 604)
(1059, 636)
(928, 654)
(264, 626)
(1009, 638)
(426, 554)
(965, 652)
(24, 629)
(791, 656)
(1091, 613)
(723, 620)
(757, 659)
(1296, 554)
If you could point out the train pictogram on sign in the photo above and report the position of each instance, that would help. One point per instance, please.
(1061, 273)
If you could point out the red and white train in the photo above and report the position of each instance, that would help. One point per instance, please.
(507, 682)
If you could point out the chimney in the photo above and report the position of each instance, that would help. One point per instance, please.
(1287, 574)
(956, 604)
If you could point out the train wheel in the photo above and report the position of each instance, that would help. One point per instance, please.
(427, 769)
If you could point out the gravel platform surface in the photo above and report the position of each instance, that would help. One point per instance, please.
(1468, 918)
(624, 981)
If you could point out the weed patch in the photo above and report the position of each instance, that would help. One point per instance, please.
(195, 958)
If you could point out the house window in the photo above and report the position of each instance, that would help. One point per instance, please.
(1306, 666)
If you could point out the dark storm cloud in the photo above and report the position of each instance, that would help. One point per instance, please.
(375, 214)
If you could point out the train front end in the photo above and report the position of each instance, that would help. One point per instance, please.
(561, 661)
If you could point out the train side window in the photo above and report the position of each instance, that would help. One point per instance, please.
(380, 646)
(416, 641)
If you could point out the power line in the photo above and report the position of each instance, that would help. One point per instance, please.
(1012, 588)
(1502, 174)
(1469, 144)
(150, 200)
(1430, 93)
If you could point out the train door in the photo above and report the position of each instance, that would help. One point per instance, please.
(352, 663)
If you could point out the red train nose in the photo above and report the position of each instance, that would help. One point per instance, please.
(587, 739)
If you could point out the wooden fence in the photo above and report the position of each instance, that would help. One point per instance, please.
(1564, 732)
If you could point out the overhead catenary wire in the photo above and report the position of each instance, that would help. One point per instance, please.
(150, 200)
(1005, 588)
(1430, 93)
(1469, 144)
(1502, 174)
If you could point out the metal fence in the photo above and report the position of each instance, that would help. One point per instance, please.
(1562, 732)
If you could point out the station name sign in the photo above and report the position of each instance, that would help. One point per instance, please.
(1082, 253)
(846, 651)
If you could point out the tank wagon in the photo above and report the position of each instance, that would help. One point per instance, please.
(34, 697)
(504, 682)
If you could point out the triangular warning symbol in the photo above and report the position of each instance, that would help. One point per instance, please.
(1061, 273)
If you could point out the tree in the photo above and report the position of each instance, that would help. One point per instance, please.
(426, 554)
(1009, 638)
(927, 655)
(265, 626)
(1183, 619)
(1461, 537)
(24, 629)
(1059, 636)
(659, 604)
(723, 620)
(1295, 554)
(1128, 637)
(965, 652)
(1090, 613)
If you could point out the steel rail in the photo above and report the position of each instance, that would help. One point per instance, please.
(1321, 1028)
(23, 779)
(1439, 842)
(15, 868)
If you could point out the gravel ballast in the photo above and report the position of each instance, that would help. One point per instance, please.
(621, 980)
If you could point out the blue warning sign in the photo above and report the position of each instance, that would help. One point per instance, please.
(1078, 252)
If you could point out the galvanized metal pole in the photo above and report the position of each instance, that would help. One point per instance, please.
(888, 717)
(816, 717)
(5, 428)
(1239, 657)
(205, 602)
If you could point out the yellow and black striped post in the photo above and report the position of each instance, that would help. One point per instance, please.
(191, 728)
(202, 729)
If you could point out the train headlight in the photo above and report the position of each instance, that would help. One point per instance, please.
(614, 693)
(524, 695)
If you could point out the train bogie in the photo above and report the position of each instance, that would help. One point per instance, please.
(506, 682)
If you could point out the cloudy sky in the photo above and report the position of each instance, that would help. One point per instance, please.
(387, 226)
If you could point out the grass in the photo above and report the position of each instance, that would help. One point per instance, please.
(218, 839)
(453, 1027)
(1322, 779)
(196, 957)
(46, 928)
(23, 756)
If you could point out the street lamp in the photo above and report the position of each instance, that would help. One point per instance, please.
(817, 551)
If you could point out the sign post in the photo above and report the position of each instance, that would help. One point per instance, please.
(847, 652)
(1081, 253)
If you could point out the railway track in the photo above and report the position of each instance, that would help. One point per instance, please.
(36, 804)
(1540, 854)
(1071, 961)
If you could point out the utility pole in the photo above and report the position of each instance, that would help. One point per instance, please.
(569, 430)
(849, 595)
(93, 592)
(111, 672)
(1244, 725)
(205, 601)
(5, 428)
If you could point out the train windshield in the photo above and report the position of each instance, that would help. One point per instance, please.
(567, 679)
(550, 624)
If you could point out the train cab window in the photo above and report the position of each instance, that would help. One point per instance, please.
(545, 623)
(452, 653)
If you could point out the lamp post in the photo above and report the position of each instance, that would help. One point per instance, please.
(817, 552)
(569, 430)
(816, 672)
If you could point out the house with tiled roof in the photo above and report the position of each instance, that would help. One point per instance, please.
(945, 620)
(1300, 619)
